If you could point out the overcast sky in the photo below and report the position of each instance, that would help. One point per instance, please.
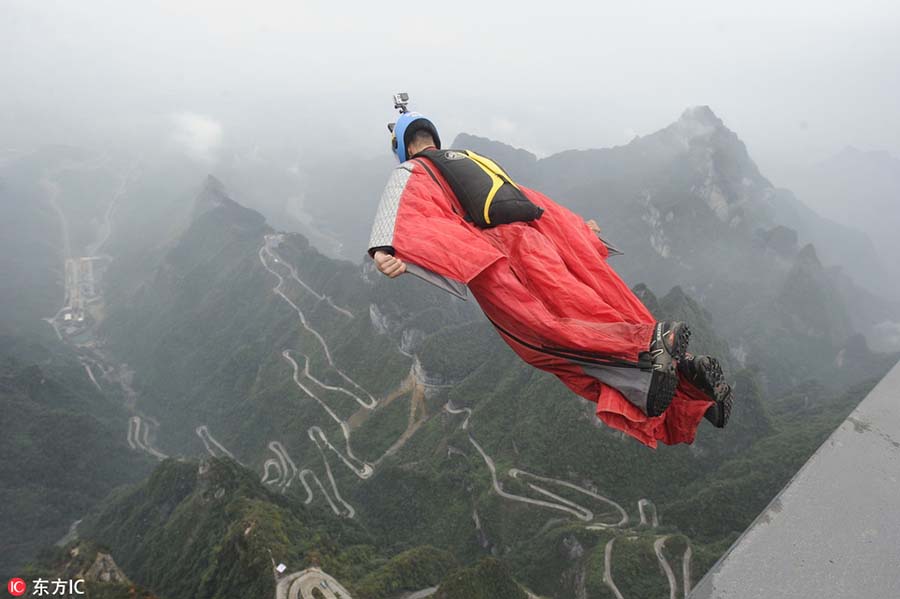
(796, 80)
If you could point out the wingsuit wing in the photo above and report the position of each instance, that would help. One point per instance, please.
(421, 224)
(610, 248)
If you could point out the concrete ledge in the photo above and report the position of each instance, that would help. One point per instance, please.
(834, 530)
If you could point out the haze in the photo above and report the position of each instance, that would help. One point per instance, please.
(796, 82)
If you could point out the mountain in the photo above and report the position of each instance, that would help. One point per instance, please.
(489, 579)
(211, 529)
(379, 435)
(213, 331)
(391, 415)
(514, 160)
(838, 243)
(64, 447)
(873, 315)
(690, 209)
(686, 203)
(861, 189)
(224, 522)
(308, 193)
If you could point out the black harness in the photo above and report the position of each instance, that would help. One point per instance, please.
(483, 188)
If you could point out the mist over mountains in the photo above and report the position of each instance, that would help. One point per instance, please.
(318, 414)
(862, 189)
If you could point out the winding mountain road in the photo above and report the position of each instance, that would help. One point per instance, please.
(582, 513)
(213, 447)
(271, 241)
(623, 520)
(90, 373)
(658, 546)
(281, 471)
(642, 510)
(285, 470)
(51, 188)
(368, 404)
(106, 227)
(607, 569)
(138, 437)
(300, 585)
(360, 468)
(288, 472)
(559, 503)
(302, 283)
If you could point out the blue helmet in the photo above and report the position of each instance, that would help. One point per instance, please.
(407, 124)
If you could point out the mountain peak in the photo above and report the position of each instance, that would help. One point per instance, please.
(518, 163)
(214, 185)
(213, 195)
(469, 141)
(697, 122)
(808, 256)
(700, 114)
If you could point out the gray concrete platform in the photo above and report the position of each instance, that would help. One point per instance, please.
(834, 530)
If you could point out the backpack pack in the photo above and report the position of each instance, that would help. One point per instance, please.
(486, 192)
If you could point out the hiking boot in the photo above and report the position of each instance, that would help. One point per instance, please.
(668, 346)
(720, 411)
(706, 373)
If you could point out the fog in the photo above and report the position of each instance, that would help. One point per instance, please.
(797, 82)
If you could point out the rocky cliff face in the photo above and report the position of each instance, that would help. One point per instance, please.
(104, 570)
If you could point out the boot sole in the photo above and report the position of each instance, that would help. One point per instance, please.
(720, 412)
(682, 340)
(726, 407)
(712, 375)
(664, 382)
(662, 390)
(720, 392)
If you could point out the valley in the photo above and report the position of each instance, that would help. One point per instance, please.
(378, 438)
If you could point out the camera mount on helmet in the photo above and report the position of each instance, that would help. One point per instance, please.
(401, 100)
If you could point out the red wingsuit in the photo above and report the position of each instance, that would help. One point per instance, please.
(544, 283)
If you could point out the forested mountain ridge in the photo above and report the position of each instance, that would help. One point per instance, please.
(394, 405)
(387, 421)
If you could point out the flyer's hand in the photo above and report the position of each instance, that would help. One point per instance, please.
(389, 265)
(593, 226)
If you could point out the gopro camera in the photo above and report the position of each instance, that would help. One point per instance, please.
(400, 101)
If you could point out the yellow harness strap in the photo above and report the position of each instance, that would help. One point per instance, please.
(498, 178)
